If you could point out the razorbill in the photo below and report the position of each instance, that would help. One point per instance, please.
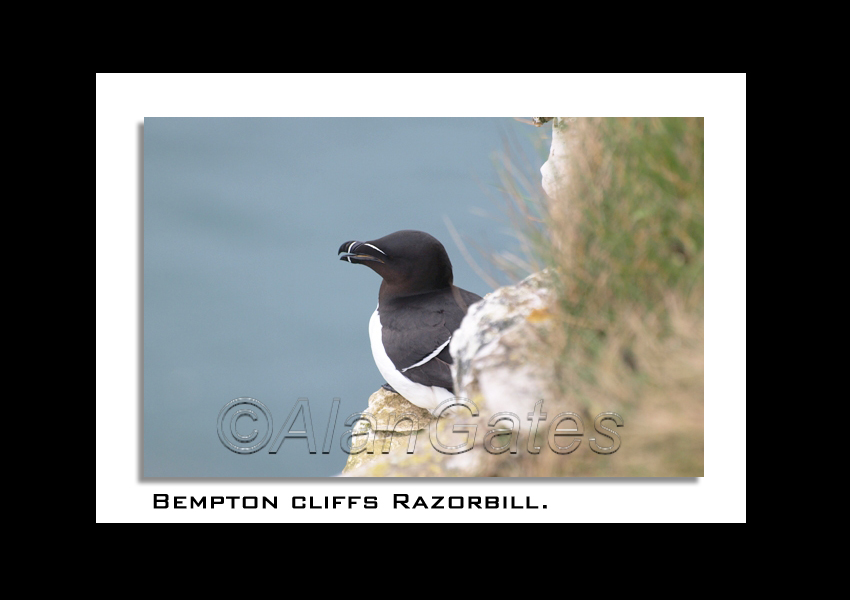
(419, 308)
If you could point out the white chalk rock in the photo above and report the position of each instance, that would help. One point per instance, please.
(501, 352)
(554, 171)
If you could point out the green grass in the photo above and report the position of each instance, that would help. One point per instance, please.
(625, 238)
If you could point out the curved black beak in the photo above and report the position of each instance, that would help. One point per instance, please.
(358, 252)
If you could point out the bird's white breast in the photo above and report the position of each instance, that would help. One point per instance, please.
(423, 396)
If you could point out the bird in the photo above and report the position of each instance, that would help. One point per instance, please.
(419, 309)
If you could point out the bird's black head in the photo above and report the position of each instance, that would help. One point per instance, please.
(410, 261)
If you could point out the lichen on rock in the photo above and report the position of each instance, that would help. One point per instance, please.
(502, 359)
(396, 423)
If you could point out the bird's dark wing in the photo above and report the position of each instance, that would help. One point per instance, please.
(416, 328)
(434, 372)
(469, 298)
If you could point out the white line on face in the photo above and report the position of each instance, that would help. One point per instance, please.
(376, 248)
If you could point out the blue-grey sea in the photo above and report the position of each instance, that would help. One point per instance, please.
(244, 295)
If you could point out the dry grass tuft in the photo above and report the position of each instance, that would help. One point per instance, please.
(624, 233)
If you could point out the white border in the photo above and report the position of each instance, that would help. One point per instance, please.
(123, 100)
